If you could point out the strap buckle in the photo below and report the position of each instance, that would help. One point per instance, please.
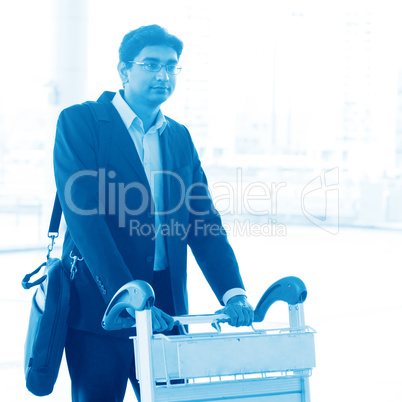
(74, 269)
(50, 246)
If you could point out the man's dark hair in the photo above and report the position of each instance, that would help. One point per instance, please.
(150, 35)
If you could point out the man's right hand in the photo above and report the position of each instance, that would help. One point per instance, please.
(160, 320)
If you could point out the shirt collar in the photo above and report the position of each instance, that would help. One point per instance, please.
(129, 117)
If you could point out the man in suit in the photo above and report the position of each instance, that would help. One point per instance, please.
(134, 196)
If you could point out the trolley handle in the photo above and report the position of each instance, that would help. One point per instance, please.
(138, 295)
(134, 296)
(290, 289)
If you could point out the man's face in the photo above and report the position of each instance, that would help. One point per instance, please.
(151, 88)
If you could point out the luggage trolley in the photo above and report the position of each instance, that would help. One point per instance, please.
(272, 365)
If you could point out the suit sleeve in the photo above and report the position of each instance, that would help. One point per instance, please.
(207, 237)
(76, 175)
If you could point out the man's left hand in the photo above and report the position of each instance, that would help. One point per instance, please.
(239, 311)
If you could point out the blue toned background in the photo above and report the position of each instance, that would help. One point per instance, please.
(304, 97)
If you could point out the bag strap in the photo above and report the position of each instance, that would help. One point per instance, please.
(25, 282)
(54, 226)
(55, 218)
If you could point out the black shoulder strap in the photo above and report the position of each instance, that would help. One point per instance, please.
(56, 218)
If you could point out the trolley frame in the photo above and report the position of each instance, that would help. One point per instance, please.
(258, 365)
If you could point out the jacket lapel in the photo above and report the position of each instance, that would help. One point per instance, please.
(121, 137)
(166, 143)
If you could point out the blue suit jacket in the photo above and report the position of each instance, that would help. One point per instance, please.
(108, 208)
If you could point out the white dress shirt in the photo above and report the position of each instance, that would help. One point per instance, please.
(148, 148)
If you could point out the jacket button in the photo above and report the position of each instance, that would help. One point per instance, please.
(104, 291)
(150, 259)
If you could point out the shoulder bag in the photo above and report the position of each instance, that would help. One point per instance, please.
(47, 328)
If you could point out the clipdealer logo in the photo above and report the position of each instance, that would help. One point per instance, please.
(242, 228)
(233, 198)
(319, 201)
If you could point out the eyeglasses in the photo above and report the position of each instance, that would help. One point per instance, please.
(172, 69)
